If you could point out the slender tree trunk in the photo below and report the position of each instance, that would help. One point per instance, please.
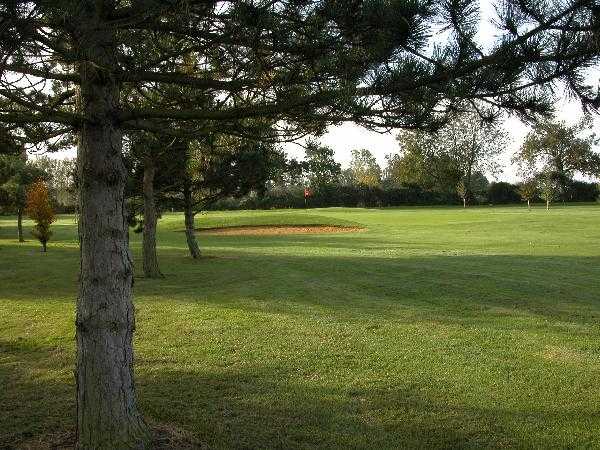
(529, 205)
(20, 224)
(190, 232)
(547, 205)
(150, 258)
(467, 197)
(44, 247)
(107, 414)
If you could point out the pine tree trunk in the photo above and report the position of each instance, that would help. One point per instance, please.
(190, 232)
(107, 414)
(20, 224)
(150, 259)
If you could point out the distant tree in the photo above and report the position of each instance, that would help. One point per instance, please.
(528, 190)
(474, 145)
(321, 168)
(151, 159)
(419, 164)
(581, 191)
(455, 156)
(293, 172)
(480, 186)
(61, 180)
(347, 177)
(16, 174)
(364, 168)
(462, 191)
(559, 151)
(216, 168)
(40, 211)
(549, 186)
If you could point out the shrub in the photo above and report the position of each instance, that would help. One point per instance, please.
(40, 210)
(339, 195)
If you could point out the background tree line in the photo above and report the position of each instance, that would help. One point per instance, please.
(448, 167)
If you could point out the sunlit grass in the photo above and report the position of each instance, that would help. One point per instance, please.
(434, 328)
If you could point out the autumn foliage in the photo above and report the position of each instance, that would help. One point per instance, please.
(40, 210)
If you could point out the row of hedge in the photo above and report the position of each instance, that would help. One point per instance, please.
(577, 191)
(409, 195)
(363, 196)
(338, 195)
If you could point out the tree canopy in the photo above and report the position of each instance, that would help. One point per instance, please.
(561, 149)
(454, 157)
(297, 61)
(320, 166)
(364, 168)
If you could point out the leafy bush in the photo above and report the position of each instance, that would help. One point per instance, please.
(39, 209)
(339, 195)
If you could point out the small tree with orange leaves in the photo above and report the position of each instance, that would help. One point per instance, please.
(40, 210)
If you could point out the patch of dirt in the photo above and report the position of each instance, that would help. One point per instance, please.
(272, 230)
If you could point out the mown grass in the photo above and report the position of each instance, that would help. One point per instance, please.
(437, 328)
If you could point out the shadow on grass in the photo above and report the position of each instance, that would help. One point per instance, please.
(255, 404)
(37, 395)
(344, 287)
(256, 407)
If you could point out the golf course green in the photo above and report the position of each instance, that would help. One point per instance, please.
(417, 327)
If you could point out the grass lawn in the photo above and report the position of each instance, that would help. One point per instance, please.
(436, 327)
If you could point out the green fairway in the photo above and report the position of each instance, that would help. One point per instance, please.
(435, 327)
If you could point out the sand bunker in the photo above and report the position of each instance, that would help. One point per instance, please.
(270, 230)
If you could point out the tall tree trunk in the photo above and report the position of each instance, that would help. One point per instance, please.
(547, 205)
(150, 259)
(467, 197)
(529, 205)
(20, 224)
(21, 195)
(107, 414)
(190, 232)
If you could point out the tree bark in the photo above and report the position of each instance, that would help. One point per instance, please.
(547, 205)
(529, 205)
(107, 414)
(20, 224)
(150, 259)
(190, 232)
(467, 196)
